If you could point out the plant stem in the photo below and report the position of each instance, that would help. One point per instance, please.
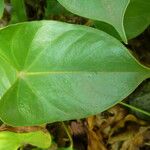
(135, 108)
(69, 136)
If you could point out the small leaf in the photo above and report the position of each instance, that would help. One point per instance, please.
(19, 11)
(12, 140)
(137, 17)
(1, 8)
(52, 71)
(111, 12)
(140, 99)
(54, 8)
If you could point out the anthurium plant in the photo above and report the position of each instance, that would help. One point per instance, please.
(55, 71)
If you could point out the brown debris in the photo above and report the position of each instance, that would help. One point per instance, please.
(22, 129)
(117, 130)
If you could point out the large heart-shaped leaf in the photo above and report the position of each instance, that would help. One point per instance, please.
(136, 20)
(1, 8)
(12, 140)
(52, 71)
(128, 17)
(109, 11)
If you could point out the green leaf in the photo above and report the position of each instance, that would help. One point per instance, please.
(52, 71)
(141, 100)
(111, 12)
(137, 17)
(54, 8)
(106, 28)
(129, 19)
(12, 140)
(18, 11)
(1, 8)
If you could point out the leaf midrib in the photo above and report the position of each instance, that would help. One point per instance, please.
(22, 74)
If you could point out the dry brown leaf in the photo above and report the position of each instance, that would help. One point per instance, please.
(95, 139)
(95, 142)
(110, 117)
(22, 129)
(131, 139)
(116, 130)
(122, 123)
(118, 113)
(91, 122)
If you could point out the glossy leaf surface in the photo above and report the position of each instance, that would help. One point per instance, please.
(128, 17)
(12, 140)
(52, 71)
(108, 11)
(137, 17)
(55, 8)
(107, 28)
